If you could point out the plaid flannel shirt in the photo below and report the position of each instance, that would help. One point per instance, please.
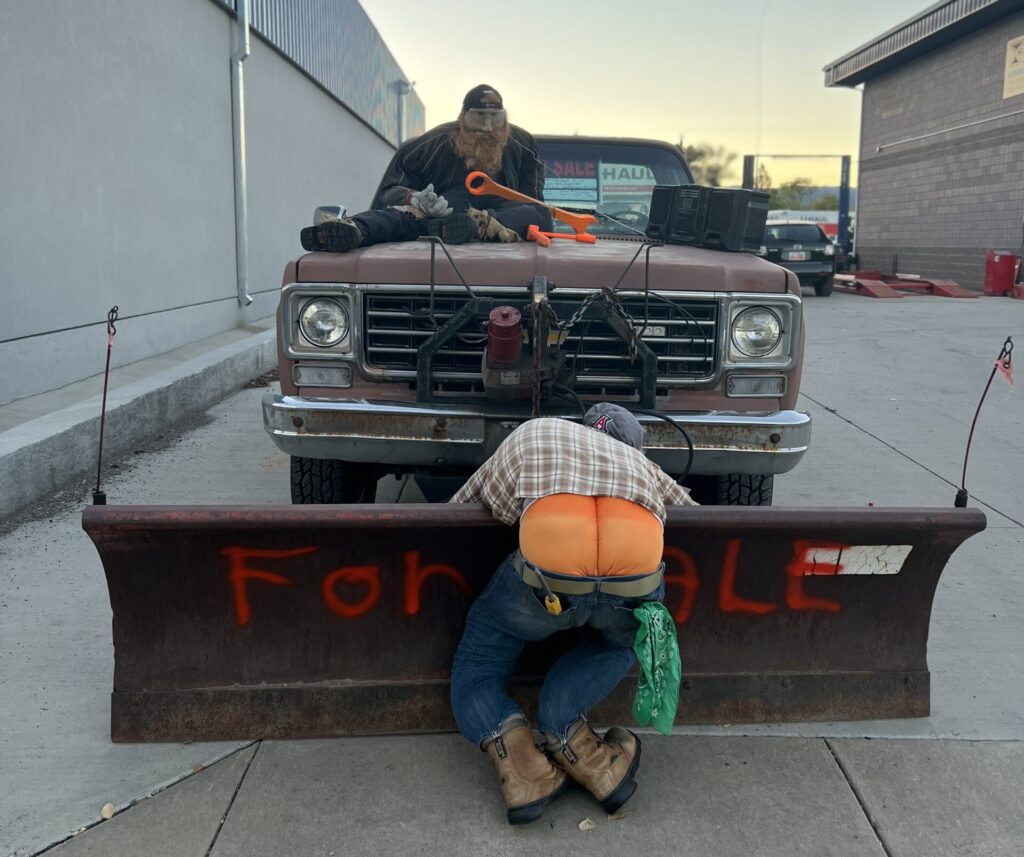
(547, 456)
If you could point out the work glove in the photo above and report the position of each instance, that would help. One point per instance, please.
(426, 203)
(491, 228)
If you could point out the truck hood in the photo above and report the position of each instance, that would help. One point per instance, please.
(565, 263)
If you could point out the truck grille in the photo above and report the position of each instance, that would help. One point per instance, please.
(681, 332)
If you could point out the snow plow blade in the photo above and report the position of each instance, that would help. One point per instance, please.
(303, 621)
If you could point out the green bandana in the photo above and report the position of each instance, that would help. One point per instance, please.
(657, 651)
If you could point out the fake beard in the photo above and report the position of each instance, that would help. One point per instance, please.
(481, 150)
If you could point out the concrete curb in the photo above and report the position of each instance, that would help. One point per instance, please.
(44, 455)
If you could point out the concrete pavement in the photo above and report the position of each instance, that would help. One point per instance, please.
(48, 441)
(698, 795)
(892, 387)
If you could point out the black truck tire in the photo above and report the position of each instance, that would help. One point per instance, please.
(742, 489)
(733, 489)
(324, 480)
(823, 288)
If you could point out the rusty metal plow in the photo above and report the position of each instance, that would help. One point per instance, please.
(301, 621)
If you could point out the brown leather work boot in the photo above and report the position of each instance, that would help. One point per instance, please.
(528, 779)
(605, 767)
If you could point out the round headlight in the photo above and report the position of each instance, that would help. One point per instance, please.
(324, 322)
(830, 250)
(756, 331)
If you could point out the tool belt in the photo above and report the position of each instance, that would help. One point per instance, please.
(632, 587)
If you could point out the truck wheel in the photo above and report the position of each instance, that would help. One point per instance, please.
(742, 489)
(734, 489)
(324, 480)
(823, 288)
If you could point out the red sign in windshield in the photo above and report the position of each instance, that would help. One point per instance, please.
(573, 169)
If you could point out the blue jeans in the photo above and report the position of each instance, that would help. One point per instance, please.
(388, 224)
(508, 614)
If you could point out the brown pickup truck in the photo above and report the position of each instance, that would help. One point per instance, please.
(385, 367)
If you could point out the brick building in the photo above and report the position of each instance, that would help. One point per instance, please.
(942, 139)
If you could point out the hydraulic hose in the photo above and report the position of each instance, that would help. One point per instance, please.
(686, 434)
(568, 392)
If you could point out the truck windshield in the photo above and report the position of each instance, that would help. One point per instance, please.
(613, 180)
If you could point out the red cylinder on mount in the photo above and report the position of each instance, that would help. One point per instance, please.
(504, 335)
(1000, 268)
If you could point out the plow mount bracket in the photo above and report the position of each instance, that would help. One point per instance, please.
(473, 308)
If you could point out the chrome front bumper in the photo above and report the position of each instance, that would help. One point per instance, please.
(437, 435)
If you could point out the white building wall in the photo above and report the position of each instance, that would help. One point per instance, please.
(116, 180)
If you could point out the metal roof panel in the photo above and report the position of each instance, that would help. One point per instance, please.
(937, 25)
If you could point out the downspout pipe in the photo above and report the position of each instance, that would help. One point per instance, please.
(402, 88)
(238, 139)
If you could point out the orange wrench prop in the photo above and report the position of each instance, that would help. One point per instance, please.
(533, 233)
(481, 184)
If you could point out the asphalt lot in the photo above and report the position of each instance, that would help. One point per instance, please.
(892, 386)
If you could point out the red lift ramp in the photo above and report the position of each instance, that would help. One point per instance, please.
(875, 284)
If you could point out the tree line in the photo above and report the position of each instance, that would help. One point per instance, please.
(713, 165)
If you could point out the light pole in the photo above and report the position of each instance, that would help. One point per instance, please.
(760, 72)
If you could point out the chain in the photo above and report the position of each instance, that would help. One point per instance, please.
(580, 311)
(553, 322)
(535, 336)
(630, 326)
(607, 297)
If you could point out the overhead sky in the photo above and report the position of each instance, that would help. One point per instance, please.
(744, 74)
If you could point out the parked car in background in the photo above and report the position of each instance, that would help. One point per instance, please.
(804, 249)
(827, 220)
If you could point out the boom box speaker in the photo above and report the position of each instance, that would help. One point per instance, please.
(714, 217)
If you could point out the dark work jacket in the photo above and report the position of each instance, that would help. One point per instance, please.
(430, 159)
